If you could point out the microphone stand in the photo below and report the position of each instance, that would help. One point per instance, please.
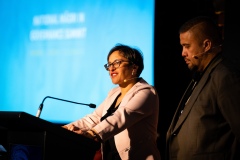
(41, 105)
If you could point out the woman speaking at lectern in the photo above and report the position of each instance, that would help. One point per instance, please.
(126, 121)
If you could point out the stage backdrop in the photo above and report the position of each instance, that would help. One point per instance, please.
(58, 48)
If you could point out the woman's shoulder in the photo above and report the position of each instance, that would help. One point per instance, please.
(144, 85)
(115, 90)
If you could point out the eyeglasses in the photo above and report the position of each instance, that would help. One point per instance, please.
(114, 64)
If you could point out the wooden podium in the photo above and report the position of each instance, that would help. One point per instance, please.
(30, 138)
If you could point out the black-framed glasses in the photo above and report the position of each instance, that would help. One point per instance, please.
(114, 64)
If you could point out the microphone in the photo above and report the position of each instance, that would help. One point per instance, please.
(196, 56)
(41, 105)
(125, 80)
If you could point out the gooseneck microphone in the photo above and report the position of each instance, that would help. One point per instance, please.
(41, 105)
(125, 80)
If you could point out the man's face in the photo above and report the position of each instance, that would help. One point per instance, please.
(192, 50)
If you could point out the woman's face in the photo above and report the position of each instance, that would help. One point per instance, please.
(119, 68)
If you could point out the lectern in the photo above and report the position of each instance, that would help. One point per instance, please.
(27, 137)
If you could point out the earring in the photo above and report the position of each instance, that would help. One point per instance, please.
(132, 72)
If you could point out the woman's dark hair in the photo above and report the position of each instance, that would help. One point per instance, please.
(134, 55)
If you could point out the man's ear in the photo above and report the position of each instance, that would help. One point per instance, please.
(207, 45)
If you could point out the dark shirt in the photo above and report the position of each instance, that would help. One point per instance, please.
(109, 148)
(196, 77)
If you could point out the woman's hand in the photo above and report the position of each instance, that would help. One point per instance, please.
(90, 133)
(93, 135)
(73, 128)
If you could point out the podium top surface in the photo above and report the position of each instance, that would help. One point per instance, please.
(22, 121)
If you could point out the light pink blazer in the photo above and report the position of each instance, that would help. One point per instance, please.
(133, 125)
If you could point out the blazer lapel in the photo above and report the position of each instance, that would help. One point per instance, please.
(194, 95)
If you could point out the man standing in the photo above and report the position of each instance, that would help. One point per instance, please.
(206, 124)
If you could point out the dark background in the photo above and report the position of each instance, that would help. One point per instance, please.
(171, 73)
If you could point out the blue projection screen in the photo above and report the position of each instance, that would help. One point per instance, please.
(58, 48)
